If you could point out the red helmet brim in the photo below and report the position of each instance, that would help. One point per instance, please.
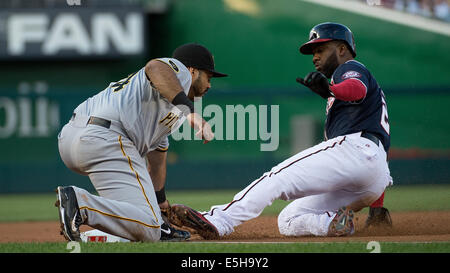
(307, 47)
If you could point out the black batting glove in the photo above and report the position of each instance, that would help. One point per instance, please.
(318, 83)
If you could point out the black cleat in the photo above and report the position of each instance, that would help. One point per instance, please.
(171, 234)
(379, 217)
(69, 213)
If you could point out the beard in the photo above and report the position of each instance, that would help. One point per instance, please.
(330, 65)
(197, 88)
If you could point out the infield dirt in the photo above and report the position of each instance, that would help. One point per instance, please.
(427, 226)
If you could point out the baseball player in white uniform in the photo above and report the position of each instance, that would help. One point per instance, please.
(329, 181)
(119, 139)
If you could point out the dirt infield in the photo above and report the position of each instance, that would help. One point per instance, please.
(430, 226)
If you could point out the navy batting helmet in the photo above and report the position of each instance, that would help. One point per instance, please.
(328, 31)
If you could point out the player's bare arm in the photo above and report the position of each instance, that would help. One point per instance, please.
(157, 170)
(166, 83)
(163, 79)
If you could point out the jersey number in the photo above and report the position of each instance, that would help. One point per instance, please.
(120, 84)
(384, 114)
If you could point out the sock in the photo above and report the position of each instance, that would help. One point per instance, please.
(379, 202)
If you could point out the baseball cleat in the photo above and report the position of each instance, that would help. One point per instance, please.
(69, 213)
(171, 234)
(185, 216)
(342, 223)
(379, 217)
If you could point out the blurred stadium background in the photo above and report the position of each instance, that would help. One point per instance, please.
(55, 54)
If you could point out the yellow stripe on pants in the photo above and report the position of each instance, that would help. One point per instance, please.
(119, 217)
(137, 177)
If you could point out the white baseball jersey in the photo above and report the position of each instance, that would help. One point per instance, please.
(147, 117)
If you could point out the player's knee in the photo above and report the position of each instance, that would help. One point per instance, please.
(146, 234)
(283, 224)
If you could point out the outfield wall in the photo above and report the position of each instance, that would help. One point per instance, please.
(30, 159)
(257, 45)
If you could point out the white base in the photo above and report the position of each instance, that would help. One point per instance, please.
(96, 235)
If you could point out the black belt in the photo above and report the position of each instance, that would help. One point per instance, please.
(100, 122)
(371, 137)
(96, 121)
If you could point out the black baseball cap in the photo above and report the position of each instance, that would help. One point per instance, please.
(197, 56)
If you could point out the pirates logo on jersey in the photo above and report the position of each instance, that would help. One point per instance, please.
(174, 66)
(169, 120)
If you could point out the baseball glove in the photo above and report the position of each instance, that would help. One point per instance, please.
(170, 217)
(317, 82)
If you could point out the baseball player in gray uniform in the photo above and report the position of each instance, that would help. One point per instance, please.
(119, 139)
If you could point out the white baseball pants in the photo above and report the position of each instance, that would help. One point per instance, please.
(344, 171)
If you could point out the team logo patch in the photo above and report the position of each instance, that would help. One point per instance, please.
(351, 74)
(174, 66)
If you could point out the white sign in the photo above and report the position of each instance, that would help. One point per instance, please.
(74, 34)
(73, 2)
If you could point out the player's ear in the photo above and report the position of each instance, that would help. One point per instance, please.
(342, 49)
(194, 71)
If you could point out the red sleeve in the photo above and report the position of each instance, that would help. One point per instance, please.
(349, 90)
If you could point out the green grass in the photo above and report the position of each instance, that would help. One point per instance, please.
(28, 207)
(418, 198)
(200, 247)
(39, 207)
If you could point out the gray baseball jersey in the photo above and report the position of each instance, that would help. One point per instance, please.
(147, 117)
(114, 158)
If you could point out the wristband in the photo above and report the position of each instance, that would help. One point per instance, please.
(182, 99)
(161, 195)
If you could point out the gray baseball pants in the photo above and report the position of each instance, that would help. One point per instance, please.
(126, 204)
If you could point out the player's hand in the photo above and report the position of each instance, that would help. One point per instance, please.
(317, 82)
(202, 128)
